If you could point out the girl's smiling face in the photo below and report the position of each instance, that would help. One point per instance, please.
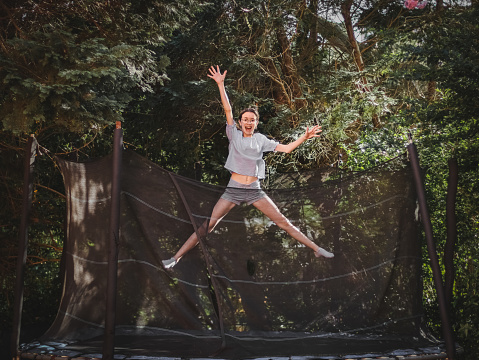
(248, 123)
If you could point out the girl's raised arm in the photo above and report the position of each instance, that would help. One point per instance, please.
(309, 133)
(216, 75)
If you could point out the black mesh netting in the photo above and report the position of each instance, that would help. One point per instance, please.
(275, 297)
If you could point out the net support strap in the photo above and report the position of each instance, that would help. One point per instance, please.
(209, 264)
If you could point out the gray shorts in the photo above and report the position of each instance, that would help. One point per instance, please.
(238, 193)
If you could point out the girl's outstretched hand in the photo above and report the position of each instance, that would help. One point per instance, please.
(313, 132)
(216, 75)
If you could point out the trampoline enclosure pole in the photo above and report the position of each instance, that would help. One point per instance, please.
(30, 152)
(433, 258)
(110, 315)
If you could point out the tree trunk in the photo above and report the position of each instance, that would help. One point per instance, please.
(310, 34)
(289, 69)
(358, 58)
(279, 92)
(346, 12)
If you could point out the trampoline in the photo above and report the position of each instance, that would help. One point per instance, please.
(249, 291)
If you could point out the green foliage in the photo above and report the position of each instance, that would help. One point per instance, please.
(70, 84)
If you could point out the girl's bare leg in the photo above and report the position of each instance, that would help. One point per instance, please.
(221, 208)
(269, 208)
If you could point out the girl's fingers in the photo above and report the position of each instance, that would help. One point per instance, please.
(313, 132)
(214, 73)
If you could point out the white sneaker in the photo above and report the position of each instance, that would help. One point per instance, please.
(321, 252)
(167, 264)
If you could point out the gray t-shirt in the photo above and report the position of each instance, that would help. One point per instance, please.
(246, 153)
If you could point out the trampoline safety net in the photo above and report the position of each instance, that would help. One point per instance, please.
(274, 296)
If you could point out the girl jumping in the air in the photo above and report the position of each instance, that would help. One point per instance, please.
(247, 167)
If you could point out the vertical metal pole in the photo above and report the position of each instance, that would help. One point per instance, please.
(30, 152)
(114, 239)
(436, 271)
